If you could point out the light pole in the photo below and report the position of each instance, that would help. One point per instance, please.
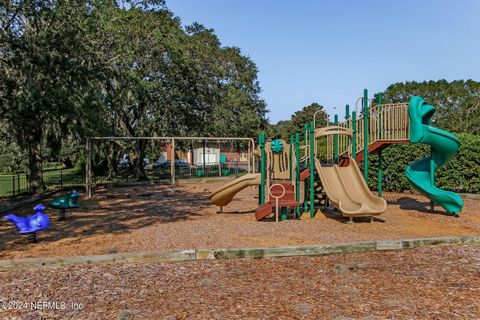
(314, 126)
(314, 116)
(356, 104)
(370, 101)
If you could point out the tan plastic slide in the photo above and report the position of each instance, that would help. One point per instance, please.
(224, 195)
(348, 191)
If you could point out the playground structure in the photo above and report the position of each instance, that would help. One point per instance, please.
(280, 167)
(320, 167)
(344, 184)
(444, 146)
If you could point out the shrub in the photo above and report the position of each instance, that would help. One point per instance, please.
(462, 174)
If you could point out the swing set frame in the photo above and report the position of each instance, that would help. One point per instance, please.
(89, 149)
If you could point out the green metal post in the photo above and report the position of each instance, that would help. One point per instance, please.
(347, 116)
(297, 174)
(365, 134)
(380, 156)
(354, 134)
(305, 196)
(291, 159)
(283, 214)
(305, 130)
(335, 141)
(312, 170)
(306, 143)
(379, 96)
(261, 142)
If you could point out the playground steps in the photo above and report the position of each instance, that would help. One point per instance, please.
(268, 208)
(343, 162)
(286, 201)
(304, 174)
(378, 146)
(289, 190)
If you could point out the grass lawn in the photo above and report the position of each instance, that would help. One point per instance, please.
(13, 184)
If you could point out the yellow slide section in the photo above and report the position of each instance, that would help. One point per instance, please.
(348, 191)
(224, 195)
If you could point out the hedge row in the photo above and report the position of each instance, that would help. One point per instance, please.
(462, 174)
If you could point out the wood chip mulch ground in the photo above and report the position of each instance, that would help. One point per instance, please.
(152, 218)
(426, 283)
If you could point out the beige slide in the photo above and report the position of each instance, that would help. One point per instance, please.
(348, 191)
(224, 195)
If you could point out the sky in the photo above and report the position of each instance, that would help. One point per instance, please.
(329, 51)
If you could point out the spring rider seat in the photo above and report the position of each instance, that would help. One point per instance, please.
(64, 202)
(32, 224)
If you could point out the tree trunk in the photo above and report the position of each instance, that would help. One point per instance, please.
(112, 161)
(138, 161)
(35, 178)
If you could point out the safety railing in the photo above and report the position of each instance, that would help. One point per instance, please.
(387, 122)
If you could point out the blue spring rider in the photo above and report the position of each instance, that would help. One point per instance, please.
(32, 224)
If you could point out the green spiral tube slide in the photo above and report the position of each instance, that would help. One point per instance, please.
(444, 147)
